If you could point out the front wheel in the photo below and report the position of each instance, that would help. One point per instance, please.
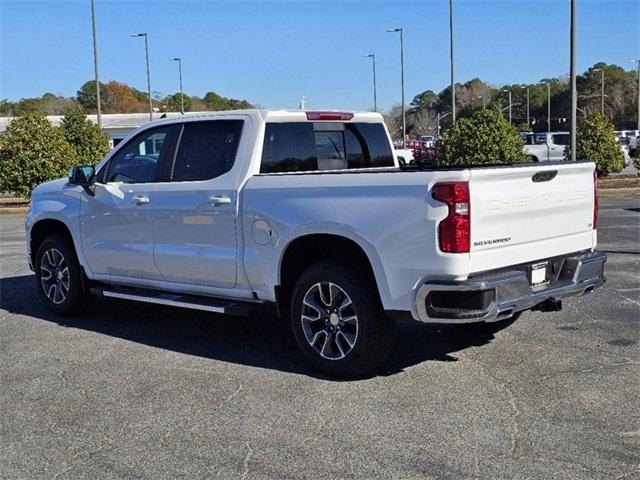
(338, 321)
(59, 280)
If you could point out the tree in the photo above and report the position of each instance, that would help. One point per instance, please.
(596, 141)
(173, 102)
(119, 98)
(424, 100)
(32, 151)
(484, 138)
(86, 96)
(215, 102)
(85, 137)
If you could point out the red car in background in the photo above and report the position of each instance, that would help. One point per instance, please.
(422, 153)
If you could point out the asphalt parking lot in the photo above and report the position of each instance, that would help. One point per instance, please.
(142, 391)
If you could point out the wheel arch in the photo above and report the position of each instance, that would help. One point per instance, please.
(307, 249)
(42, 229)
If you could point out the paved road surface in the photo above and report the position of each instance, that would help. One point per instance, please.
(140, 391)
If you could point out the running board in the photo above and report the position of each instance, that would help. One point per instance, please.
(194, 302)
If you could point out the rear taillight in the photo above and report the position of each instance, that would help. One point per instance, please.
(329, 115)
(595, 200)
(454, 232)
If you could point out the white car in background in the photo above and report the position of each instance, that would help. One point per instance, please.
(429, 140)
(629, 137)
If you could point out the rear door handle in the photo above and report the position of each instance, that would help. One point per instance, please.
(140, 199)
(216, 200)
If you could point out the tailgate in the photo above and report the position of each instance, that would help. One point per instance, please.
(525, 213)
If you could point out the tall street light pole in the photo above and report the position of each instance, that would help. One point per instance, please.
(453, 84)
(404, 120)
(528, 123)
(372, 56)
(179, 60)
(638, 62)
(572, 73)
(548, 107)
(95, 61)
(146, 52)
(601, 88)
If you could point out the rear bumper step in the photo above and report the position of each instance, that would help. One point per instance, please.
(501, 296)
(194, 302)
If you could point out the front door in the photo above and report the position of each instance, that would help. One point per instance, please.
(195, 211)
(116, 223)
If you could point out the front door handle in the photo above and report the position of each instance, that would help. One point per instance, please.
(140, 199)
(216, 200)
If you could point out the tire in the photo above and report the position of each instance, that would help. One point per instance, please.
(338, 321)
(64, 290)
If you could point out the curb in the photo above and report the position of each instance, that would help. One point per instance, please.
(618, 191)
(13, 210)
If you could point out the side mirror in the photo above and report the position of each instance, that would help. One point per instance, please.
(84, 176)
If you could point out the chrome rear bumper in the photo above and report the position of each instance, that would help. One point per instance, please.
(497, 296)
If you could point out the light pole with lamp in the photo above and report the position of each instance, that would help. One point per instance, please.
(179, 60)
(146, 53)
(372, 56)
(572, 80)
(453, 84)
(95, 62)
(528, 122)
(404, 120)
(548, 107)
(638, 62)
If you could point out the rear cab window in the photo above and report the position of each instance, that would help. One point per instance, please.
(325, 145)
(561, 139)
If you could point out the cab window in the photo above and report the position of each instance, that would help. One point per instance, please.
(139, 160)
(312, 146)
(206, 150)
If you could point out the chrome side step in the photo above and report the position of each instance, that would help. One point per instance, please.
(194, 302)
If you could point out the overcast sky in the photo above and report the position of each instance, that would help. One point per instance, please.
(273, 52)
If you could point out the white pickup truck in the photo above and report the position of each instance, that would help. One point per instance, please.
(544, 147)
(310, 211)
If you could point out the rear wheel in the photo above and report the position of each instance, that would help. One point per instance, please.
(59, 278)
(338, 321)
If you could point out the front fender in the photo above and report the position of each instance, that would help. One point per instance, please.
(62, 206)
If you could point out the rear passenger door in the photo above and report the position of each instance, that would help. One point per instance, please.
(195, 208)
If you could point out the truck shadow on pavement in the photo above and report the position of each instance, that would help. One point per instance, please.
(260, 340)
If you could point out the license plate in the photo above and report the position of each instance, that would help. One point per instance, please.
(538, 273)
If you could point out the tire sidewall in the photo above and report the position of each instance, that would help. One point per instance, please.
(76, 294)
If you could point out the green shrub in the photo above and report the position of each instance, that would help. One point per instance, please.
(484, 138)
(85, 137)
(32, 151)
(596, 141)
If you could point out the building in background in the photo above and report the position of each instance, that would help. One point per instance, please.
(117, 125)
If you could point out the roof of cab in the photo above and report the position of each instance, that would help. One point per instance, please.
(268, 115)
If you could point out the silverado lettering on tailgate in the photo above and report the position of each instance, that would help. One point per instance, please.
(481, 243)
